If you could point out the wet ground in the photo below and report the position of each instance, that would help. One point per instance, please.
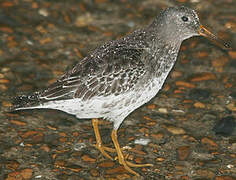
(186, 132)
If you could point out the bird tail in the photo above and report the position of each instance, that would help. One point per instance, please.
(26, 102)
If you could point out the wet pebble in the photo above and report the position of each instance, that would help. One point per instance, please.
(175, 130)
(225, 126)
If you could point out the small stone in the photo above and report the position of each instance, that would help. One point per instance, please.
(6, 104)
(106, 164)
(19, 123)
(183, 152)
(26, 173)
(231, 25)
(232, 54)
(151, 106)
(185, 84)
(163, 110)
(203, 77)
(142, 141)
(210, 143)
(43, 12)
(160, 159)
(6, 29)
(199, 105)
(62, 134)
(157, 136)
(225, 126)
(88, 159)
(175, 130)
(4, 81)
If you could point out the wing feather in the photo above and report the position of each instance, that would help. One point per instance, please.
(111, 69)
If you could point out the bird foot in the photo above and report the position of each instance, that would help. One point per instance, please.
(103, 150)
(128, 164)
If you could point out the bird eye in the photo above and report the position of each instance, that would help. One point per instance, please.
(184, 18)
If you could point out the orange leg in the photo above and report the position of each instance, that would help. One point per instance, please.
(121, 158)
(99, 145)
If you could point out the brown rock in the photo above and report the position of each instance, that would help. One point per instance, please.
(175, 130)
(185, 84)
(160, 159)
(106, 164)
(26, 173)
(29, 133)
(199, 105)
(203, 77)
(157, 136)
(4, 81)
(151, 106)
(232, 54)
(62, 134)
(183, 152)
(210, 143)
(6, 103)
(88, 159)
(6, 29)
(19, 123)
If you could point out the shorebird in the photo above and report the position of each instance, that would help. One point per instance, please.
(122, 75)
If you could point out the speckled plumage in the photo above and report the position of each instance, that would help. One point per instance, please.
(120, 76)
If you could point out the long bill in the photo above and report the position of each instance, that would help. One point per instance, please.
(204, 32)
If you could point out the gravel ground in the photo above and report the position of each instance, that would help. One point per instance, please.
(187, 131)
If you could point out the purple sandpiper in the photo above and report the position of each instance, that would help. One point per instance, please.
(121, 75)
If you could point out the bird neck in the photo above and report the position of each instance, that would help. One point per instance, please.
(163, 55)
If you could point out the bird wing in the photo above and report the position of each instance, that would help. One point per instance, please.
(113, 68)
